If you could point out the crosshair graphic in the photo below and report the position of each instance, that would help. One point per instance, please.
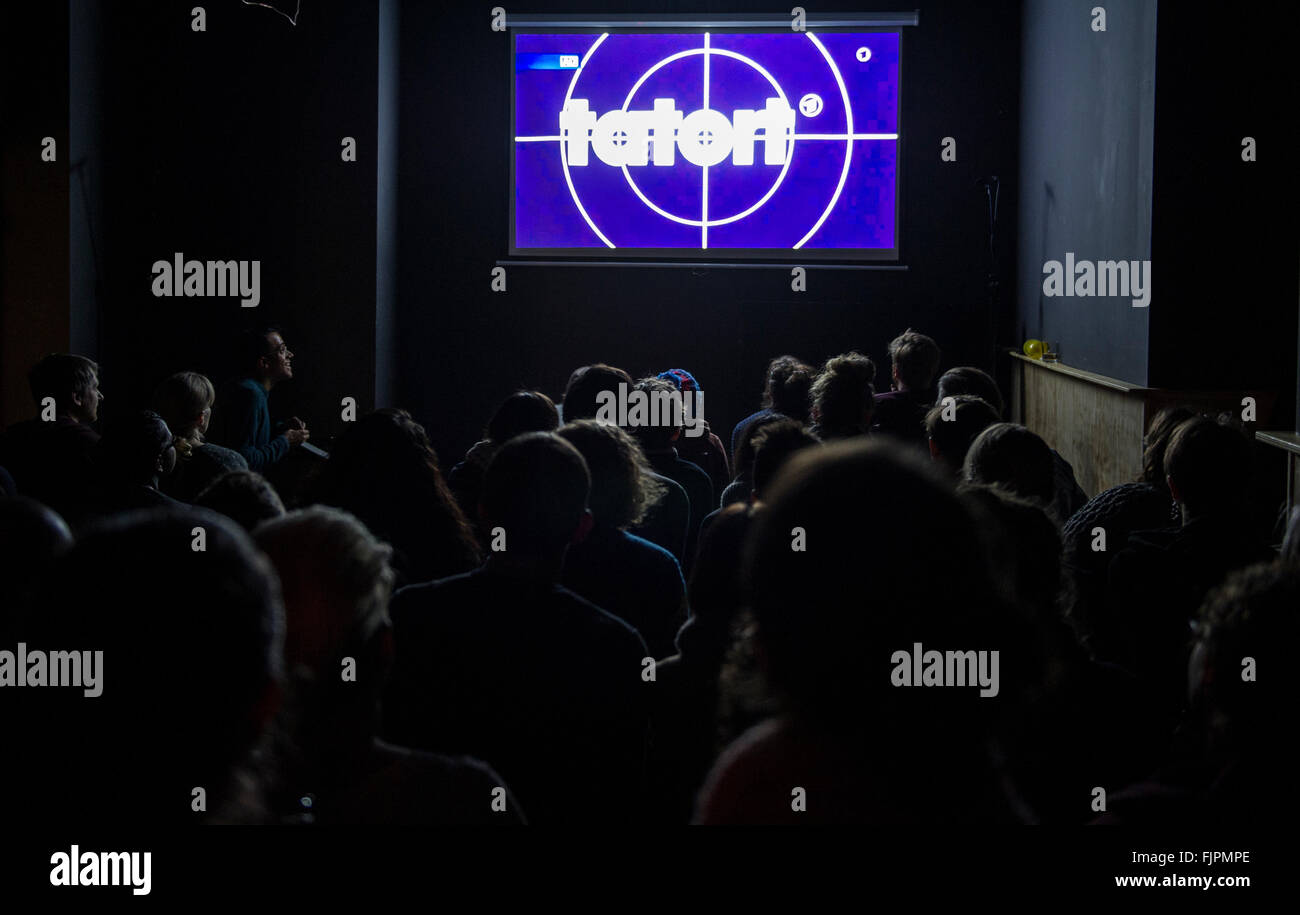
(701, 139)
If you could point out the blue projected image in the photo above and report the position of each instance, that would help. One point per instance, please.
(685, 143)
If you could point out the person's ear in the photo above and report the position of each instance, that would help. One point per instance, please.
(677, 433)
(583, 528)
(934, 449)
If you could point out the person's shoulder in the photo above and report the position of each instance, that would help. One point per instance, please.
(66, 429)
(241, 389)
(658, 562)
(463, 769)
(416, 599)
(674, 488)
(221, 457)
(650, 552)
(692, 470)
(452, 789)
(596, 619)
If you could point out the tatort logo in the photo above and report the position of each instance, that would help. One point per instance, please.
(705, 137)
(731, 140)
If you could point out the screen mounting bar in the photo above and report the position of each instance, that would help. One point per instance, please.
(713, 20)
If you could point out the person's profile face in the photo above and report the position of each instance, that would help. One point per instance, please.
(279, 358)
(88, 402)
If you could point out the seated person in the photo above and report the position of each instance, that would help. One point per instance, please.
(785, 392)
(659, 444)
(900, 411)
(335, 581)
(505, 665)
(739, 489)
(843, 398)
(1239, 770)
(1010, 456)
(777, 440)
(951, 427)
(522, 411)
(705, 450)
(1158, 579)
(666, 522)
(632, 578)
(966, 379)
(829, 622)
(1144, 504)
(242, 496)
(189, 646)
(184, 401)
(51, 457)
(384, 471)
(135, 452)
(244, 420)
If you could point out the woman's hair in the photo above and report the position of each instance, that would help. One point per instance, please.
(842, 396)
(384, 471)
(966, 379)
(180, 400)
(522, 411)
(1011, 456)
(622, 489)
(1154, 443)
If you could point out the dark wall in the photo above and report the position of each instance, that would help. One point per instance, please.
(1106, 176)
(225, 144)
(33, 197)
(463, 347)
(1086, 110)
(1225, 231)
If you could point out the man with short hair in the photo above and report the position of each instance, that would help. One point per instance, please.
(506, 665)
(244, 421)
(51, 457)
(900, 411)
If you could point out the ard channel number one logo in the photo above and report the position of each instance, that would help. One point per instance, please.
(654, 136)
